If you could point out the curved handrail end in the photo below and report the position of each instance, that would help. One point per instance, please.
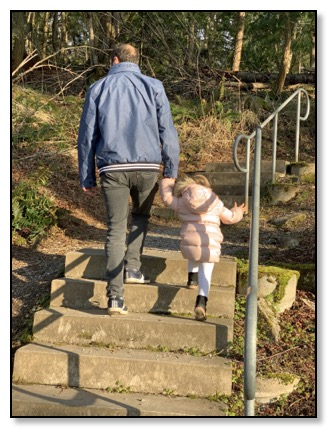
(235, 147)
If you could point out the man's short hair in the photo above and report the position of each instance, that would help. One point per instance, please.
(126, 53)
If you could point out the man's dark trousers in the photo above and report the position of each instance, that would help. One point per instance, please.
(116, 188)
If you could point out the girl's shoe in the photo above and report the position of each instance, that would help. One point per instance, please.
(192, 282)
(200, 308)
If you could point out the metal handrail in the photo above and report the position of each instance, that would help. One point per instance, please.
(274, 116)
(251, 308)
(252, 290)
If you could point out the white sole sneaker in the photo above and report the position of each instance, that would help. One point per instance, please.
(136, 281)
(118, 311)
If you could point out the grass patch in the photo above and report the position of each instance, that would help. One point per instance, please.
(26, 335)
(119, 388)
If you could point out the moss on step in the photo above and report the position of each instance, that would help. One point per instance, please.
(307, 279)
(285, 378)
(282, 275)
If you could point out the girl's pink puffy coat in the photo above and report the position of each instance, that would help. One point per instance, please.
(201, 211)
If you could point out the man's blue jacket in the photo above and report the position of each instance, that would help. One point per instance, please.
(126, 125)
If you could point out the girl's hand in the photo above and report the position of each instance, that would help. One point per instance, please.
(242, 206)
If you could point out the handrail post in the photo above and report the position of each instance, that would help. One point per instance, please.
(297, 129)
(252, 291)
(247, 176)
(274, 151)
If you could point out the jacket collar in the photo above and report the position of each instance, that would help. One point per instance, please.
(124, 66)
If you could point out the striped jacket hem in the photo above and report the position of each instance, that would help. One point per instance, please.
(123, 167)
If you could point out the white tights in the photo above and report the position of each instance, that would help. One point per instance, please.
(204, 275)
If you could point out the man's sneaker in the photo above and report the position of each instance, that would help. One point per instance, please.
(116, 306)
(200, 308)
(134, 276)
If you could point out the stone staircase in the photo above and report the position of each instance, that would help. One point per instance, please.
(229, 183)
(155, 361)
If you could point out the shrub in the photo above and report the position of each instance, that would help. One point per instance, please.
(33, 213)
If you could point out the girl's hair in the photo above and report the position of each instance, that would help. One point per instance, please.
(181, 185)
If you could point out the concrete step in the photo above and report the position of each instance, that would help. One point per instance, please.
(47, 400)
(133, 331)
(234, 178)
(166, 267)
(223, 190)
(281, 166)
(156, 298)
(134, 370)
(302, 169)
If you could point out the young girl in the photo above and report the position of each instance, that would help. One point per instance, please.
(201, 211)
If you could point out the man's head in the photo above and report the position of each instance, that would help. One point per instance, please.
(125, 53)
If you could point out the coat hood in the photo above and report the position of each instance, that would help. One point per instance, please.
(199, 199)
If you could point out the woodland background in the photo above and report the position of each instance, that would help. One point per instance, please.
(224, 73)
(189, 46)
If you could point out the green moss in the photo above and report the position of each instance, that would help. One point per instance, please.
(159, 348)
(264, 331)
(96, 344)
(308, 178)
(286, 378)
(282, 276)
(85, 335)
(301, 164)
(119, 388)
(242, 267)
(169, 392)
(192, 396)
(26, 335)
(307, 280)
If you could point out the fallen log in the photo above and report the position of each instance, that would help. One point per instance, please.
(251, 77)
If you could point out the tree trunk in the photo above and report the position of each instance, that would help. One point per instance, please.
(64, 33)
(287, 55)
(55, 32)
(104, 36)
(93, 54)
(45, 34)
(211, 28)
(18, 51)
(31, 39)
(116, 23)
(190, 42)
(239, 42)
